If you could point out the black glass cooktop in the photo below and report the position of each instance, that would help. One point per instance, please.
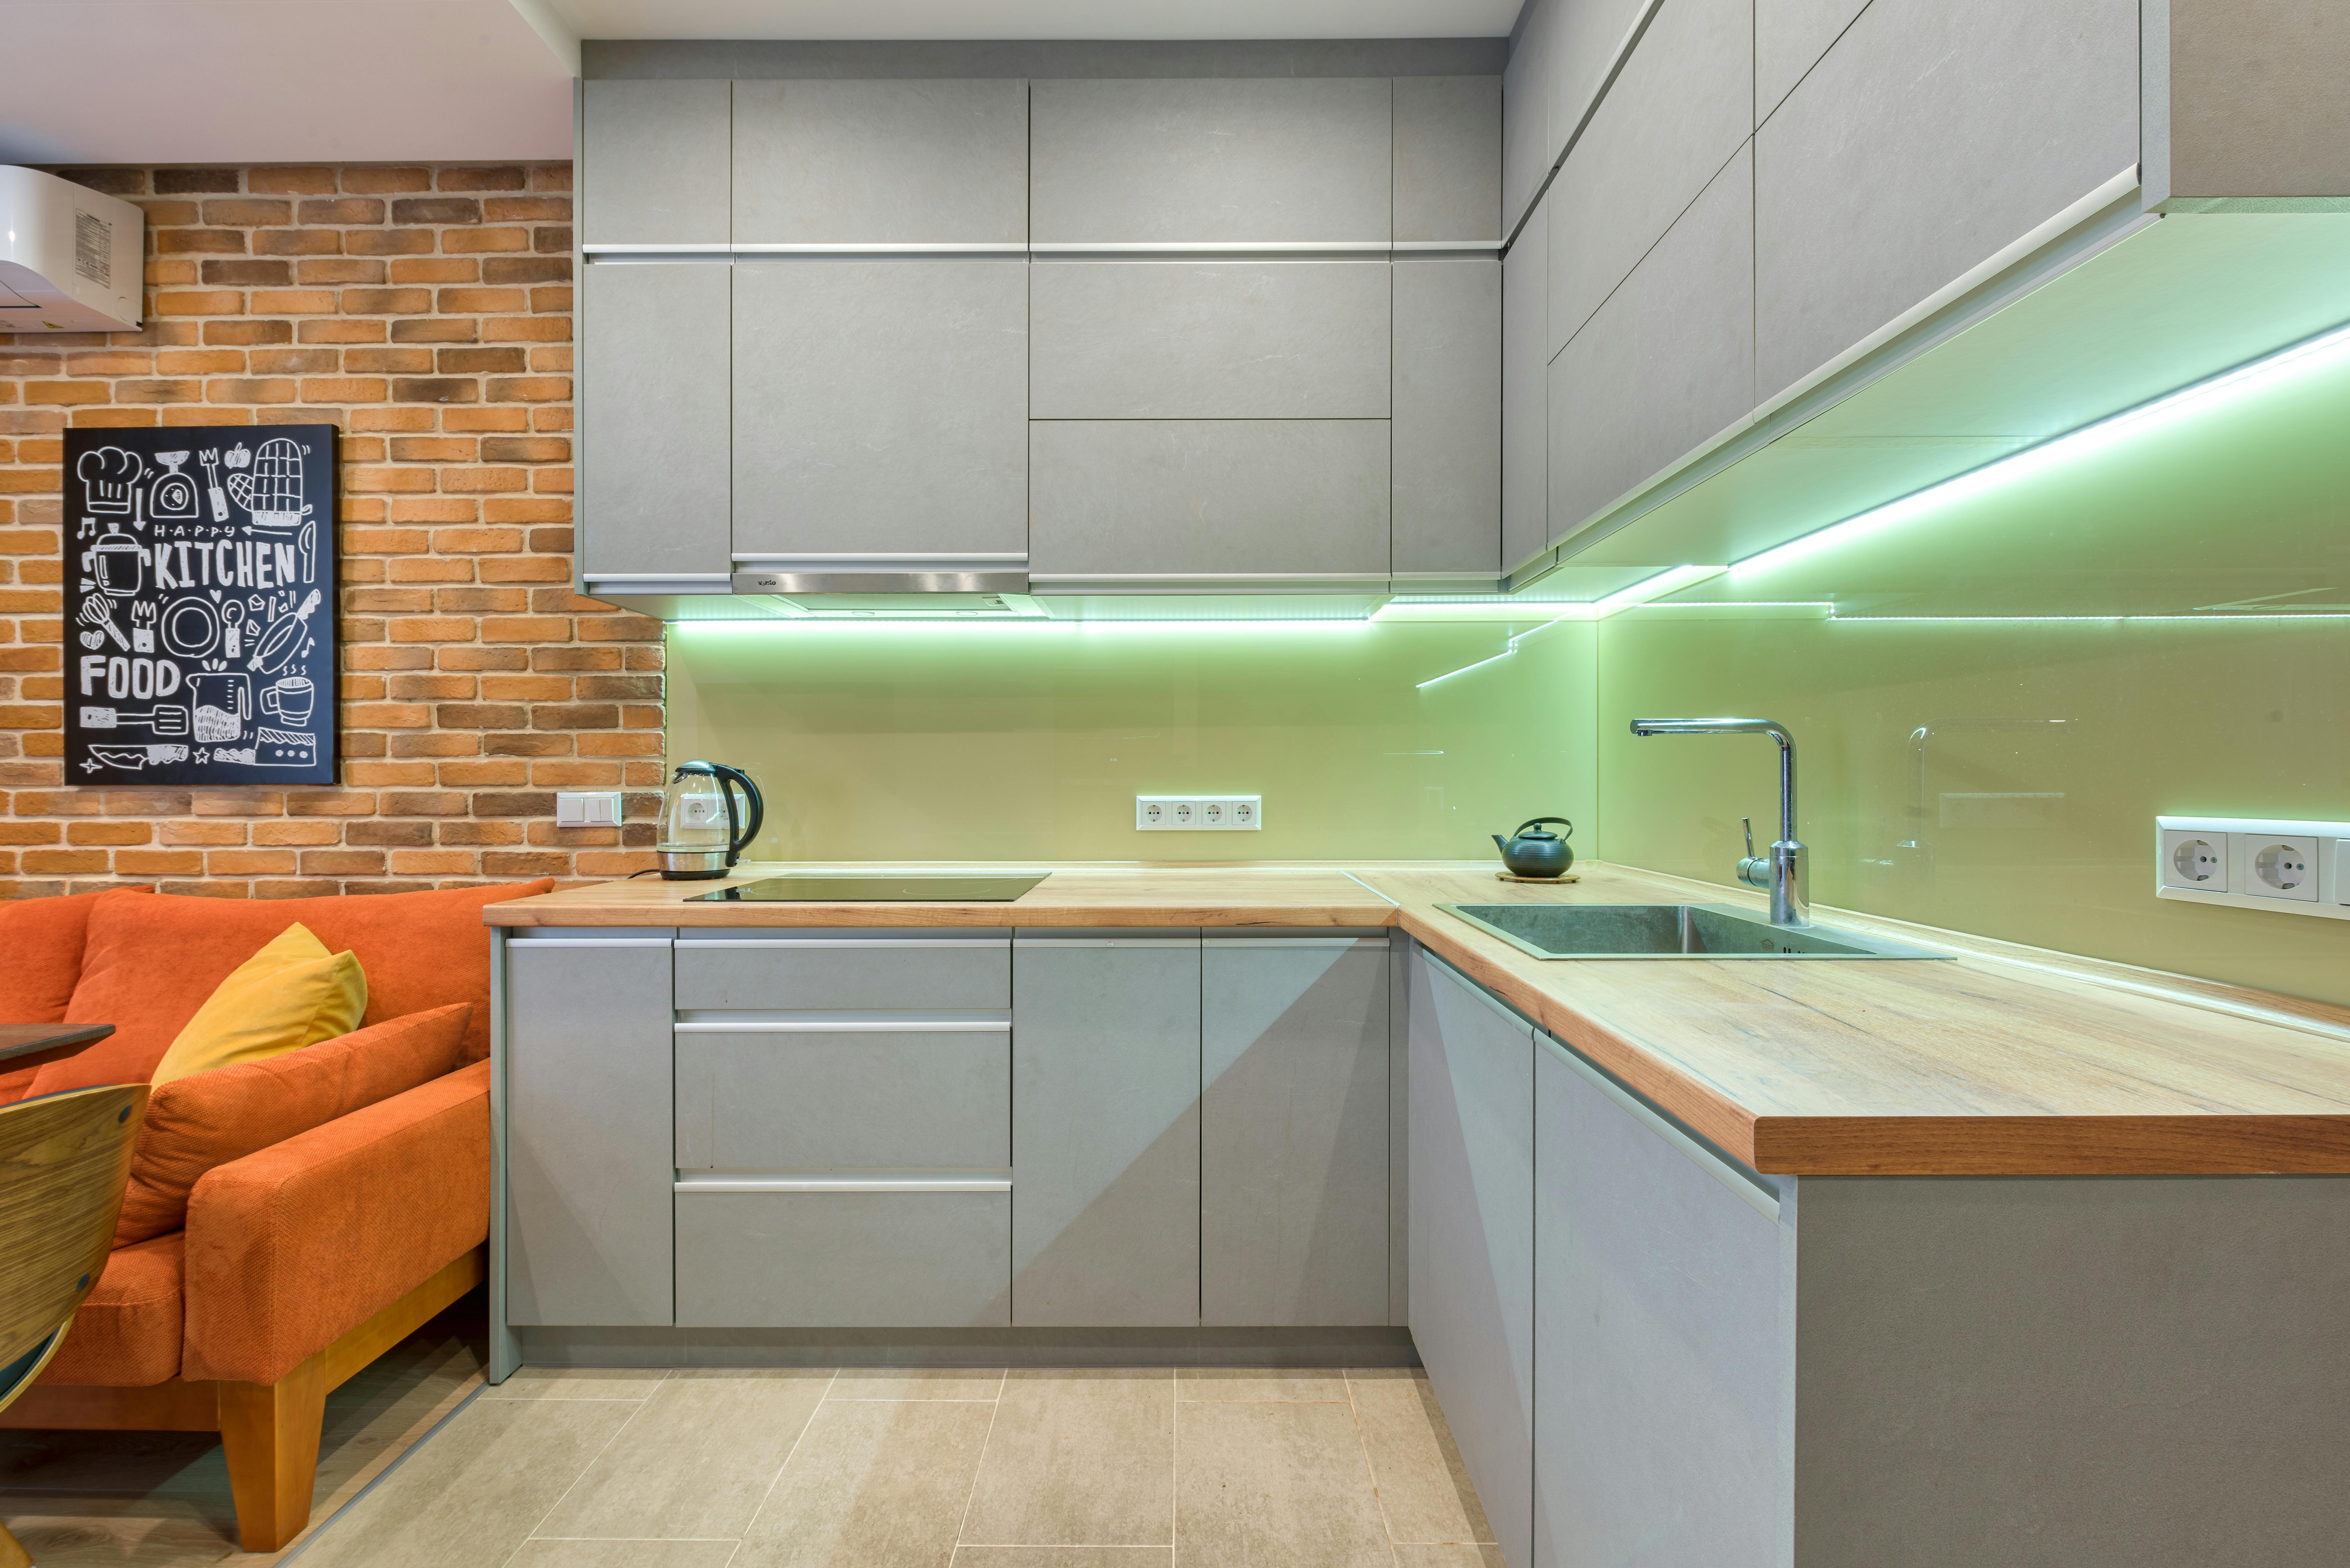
(833, 887)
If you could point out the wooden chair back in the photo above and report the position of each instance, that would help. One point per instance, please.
(64, 1161)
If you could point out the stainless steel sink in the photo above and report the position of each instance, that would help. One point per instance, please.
(1669, 931)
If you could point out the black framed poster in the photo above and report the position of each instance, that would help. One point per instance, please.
(200, 605)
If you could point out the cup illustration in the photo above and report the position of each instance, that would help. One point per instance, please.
(224, 705)
(290, 699)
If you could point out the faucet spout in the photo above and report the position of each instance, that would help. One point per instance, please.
(1790, 873)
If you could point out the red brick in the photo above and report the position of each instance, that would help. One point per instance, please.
(247, 333)
(435, 389)
(385, 242)
(184, 182)
(290, 181)
(198, 242)
(376, 180)
(248, 212)
(340, 211)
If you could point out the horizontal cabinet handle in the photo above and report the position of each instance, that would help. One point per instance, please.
(941, 1183)
(964, 943)
(514, 942)
(837, 1026)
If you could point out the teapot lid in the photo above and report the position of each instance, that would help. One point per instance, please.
(1535, 824)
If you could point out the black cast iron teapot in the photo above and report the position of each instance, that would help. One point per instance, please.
(1531, 852)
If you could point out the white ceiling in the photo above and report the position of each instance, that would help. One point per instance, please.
(314, 81)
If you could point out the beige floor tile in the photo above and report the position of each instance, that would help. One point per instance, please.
(916, 1383)
(1078, 1458)
(624, 1554)
(1260, 1383)
(80, 1531)
(1446, 1556)
(577, 1383)
(1273, 1483)
(1064, 1557)
(1424, 1489)
(471, 1496)
(874, 1483)
(695, 1460)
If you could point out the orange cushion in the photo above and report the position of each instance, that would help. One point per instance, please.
(41, 939)
(209, 1118)
(127, 1334)
(150, 962)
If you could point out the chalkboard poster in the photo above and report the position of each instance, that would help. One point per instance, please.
(200, 605)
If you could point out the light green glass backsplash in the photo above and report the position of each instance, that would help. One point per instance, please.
(993, 741)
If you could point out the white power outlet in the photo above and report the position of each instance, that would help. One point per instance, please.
(2193, 859)
(1198, 813)
(2287, 868)
(2273, 866)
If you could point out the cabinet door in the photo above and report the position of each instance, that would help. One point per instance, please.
(1664, 365)
(590, 1170)
(1525, 432)
(653, 163)
(1472, 1234)
(1294, 1131)
(1927, 140)
(880, 162)
(1660, 1360)
(653, 419)
(881, 408)
(1106, 1129)
(1447, 463)
(1448, 158)
(1230, 497)
(1195, 159)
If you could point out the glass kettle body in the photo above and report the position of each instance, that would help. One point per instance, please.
(703, 831)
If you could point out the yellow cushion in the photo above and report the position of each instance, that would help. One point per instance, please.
(291, 993)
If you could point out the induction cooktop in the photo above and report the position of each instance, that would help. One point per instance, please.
(834, 888)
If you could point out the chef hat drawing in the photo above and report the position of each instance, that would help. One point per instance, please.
(108, 474)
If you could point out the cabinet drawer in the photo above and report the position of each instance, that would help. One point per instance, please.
(808, 1258)
(842, 1097)
(943, 972)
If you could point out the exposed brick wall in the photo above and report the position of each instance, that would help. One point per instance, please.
(426, 312)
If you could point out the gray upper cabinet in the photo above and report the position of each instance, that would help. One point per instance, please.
(1254, 159)
(588, 1165)
(1448, 158)
(1790, 35)
(881, 408)
(1105, 1129)
(1447, 457)
(1664, 365)
(1681, 108)
(1926, 140)
(880, 162)
(652, 450)
(1525, 438)
(1209, 340)
(1294, 1131)
(1472, 1087)
(1232, 498)
(653, 162)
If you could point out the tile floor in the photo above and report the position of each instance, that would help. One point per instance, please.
(797, 1469)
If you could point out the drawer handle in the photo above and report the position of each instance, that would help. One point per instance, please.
(843, 1184)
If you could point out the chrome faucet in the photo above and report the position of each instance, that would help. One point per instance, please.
(1787, 874)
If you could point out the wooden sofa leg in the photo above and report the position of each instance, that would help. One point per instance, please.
(12, 1552)
(269, 1432)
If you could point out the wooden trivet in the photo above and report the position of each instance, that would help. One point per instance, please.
(1513, 877)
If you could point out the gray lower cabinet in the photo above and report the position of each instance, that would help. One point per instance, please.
(843, 1095)
(588, 1164)
(914, 161)
(1662, 1357)
(1105, 1129)
(815, 968)
(653, 413)
(1471, 1234)
(1446, 459)
(881, 408)
(652, 162)
(1293, 1130)
(838, 1257)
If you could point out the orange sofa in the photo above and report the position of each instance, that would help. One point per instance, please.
(300, 1263)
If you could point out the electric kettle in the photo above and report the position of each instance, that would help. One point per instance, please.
(1531, 852)
(702, 832)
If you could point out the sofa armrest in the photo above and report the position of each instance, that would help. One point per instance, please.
(290, 1248)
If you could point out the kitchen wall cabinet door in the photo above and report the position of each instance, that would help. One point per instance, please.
(918, 161)
(1106, 1129)
(1927, 140)
(1447, 455)
(1471, 1089)
(1294, 1131)
(1230, 498)
(1525, 433)
(1661, 1360)
(1231, 160)
(881, 408)
(1209, 340)
(589, 1163)
(653, 162)
(1448, 158)
(1664, 365)
(653, 416)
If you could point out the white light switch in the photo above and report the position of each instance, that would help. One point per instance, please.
(587, 809)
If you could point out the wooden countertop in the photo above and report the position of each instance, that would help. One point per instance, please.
(2007, 1061)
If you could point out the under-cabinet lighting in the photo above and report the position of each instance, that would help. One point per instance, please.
(2072, 620)
(2309, 354)
(1023, 625)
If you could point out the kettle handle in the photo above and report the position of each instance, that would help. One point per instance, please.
(738, 836)
(1538, 821)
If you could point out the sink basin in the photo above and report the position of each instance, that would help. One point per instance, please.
(1669, 930)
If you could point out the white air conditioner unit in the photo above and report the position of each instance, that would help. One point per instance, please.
(72, 260)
